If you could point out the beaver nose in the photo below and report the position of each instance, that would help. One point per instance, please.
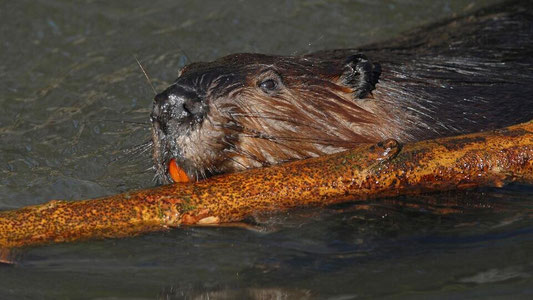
(177, 104)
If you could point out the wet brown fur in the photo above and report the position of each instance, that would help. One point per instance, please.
(467, 74)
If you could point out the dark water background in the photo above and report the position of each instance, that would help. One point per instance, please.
(69, 76)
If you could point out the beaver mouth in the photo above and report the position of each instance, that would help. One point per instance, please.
(169, 164)
(185, 149)
(177, 117)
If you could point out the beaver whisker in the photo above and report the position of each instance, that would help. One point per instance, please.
(127, 122)
(145, 75)
(139, 148)
(142, 148)
(211, 169)
(156, 178)
(134, 151)
(196, 175)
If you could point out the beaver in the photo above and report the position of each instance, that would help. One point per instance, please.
(469, 73)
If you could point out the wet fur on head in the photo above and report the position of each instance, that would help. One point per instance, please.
(243, 111)
(263, 110)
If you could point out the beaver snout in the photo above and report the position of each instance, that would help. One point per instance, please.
(178, 104)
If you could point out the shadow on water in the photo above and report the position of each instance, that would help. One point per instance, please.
(70, 78)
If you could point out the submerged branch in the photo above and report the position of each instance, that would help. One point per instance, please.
(367, 171)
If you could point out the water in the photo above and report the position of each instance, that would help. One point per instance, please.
(69, 77)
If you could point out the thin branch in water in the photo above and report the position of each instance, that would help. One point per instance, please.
(145, 75)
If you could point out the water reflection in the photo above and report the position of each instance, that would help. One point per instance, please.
(70, 73)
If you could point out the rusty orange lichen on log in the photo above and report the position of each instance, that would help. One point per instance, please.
(367, 171)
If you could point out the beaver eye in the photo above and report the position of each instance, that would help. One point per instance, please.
(268, 86)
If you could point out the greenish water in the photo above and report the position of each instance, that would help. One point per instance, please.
(69, 77)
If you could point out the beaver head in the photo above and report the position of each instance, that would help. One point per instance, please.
(251, 110)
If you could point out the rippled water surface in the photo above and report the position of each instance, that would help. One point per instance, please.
(73, 98)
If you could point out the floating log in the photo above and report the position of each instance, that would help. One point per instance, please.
(368, 171)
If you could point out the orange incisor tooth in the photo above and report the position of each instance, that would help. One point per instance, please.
(176, 173)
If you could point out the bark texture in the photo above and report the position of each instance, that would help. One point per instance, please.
(368, 171)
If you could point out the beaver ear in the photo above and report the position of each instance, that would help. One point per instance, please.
(360, 74)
